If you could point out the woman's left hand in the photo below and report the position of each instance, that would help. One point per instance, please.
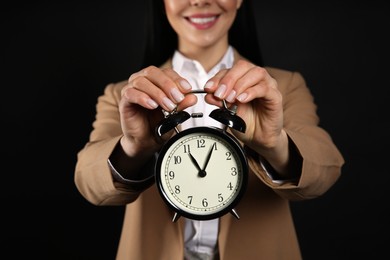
(259, 102)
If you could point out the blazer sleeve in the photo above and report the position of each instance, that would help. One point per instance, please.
(321, 159)
(93, 177)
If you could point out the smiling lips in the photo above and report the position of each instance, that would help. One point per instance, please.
(202, 22)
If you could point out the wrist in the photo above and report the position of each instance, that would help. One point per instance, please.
(134, 149)
(276, 156)
(130, 167)
(139, 183)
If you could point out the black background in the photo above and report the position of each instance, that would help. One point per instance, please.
(56, 58)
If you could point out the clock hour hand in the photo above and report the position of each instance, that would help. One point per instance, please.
(201, 172)
(208, 157)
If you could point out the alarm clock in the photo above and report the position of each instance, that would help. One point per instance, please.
(201, 172)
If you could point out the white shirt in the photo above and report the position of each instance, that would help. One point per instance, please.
(200, 236)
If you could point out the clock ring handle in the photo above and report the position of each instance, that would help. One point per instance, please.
(232, 109)
(225, 115)
(171, 121)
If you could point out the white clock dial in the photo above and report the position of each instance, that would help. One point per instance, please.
(202, 173)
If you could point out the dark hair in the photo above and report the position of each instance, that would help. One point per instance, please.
(161, 39)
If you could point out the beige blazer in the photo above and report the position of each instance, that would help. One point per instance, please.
(265, 229)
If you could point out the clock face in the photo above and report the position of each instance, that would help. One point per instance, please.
(201, 172)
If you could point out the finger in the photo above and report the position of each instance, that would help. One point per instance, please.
(256, 83)
(158, 94)
(132, 95)
(159, 86)
(188, 101)
(225, 89)
(211, 86)
(142, 98)
(180, 82)
(213, 83)
(168, 81)
(261, 90)
(212, 100)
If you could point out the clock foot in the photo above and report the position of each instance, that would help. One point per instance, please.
(234, 213)
(175, 217)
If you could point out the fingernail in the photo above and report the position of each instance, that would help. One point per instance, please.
(220, 91)
(177, 95)
(209, 84)
(231, 96)
(184, 84)
(152, 103)
(242, 97)
(168, 103)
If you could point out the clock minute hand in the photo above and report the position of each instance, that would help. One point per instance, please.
(208, 157)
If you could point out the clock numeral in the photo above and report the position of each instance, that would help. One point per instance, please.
(201, 143)
(186, 148)
(190, 199)
(204, 202)
(171, 175)
(228, 156)
(177, 159)
(220, 198)
(234, 171)
(230, 186)
(177, 189)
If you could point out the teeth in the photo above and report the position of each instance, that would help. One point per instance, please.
(202, 20)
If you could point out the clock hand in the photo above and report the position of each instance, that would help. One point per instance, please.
(201, 172)
(208, 157)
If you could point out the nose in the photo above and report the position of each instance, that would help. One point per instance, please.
(200, 2)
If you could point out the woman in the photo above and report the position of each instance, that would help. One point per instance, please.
(197, 47)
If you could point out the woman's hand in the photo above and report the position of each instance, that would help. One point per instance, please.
(259, 105)
(147, 92)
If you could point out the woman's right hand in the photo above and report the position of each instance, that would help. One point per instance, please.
(143, 98)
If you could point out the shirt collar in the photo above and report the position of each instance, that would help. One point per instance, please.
(181, 64)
